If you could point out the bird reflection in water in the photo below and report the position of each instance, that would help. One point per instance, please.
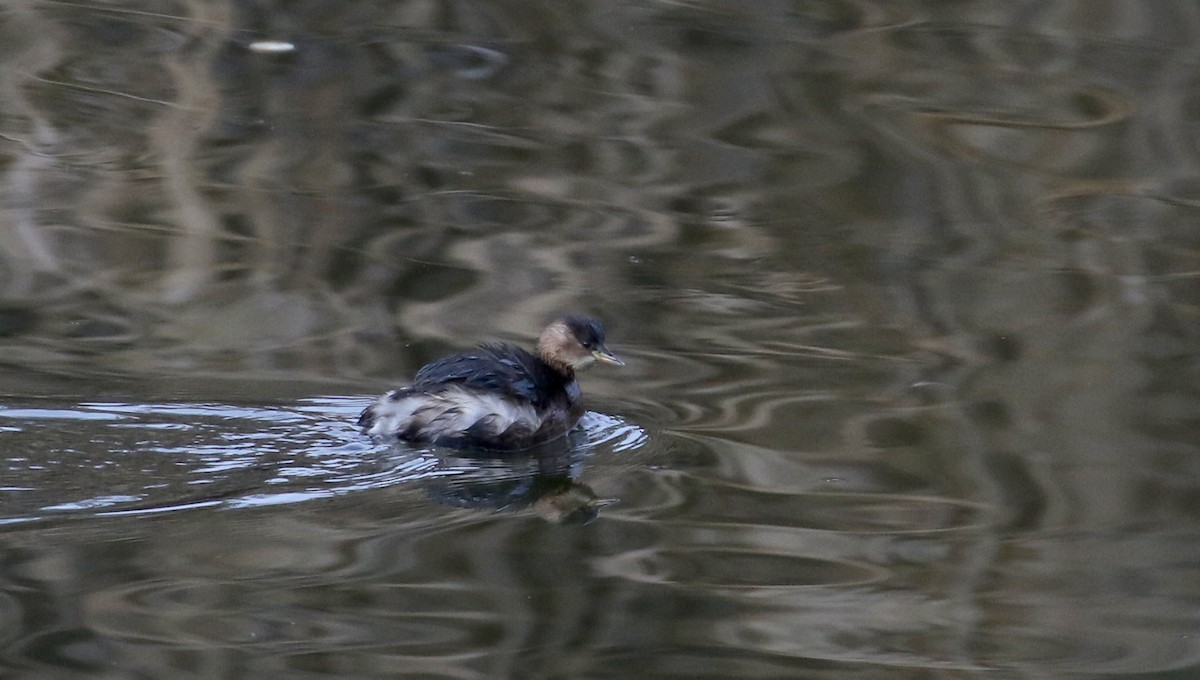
(543, 479)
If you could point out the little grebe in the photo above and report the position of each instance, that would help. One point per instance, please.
(498, 397)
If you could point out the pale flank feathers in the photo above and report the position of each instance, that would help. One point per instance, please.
(453, 410)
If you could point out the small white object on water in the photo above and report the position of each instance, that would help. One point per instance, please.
(271, 46)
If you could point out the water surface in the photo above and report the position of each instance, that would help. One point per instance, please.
(907, 293)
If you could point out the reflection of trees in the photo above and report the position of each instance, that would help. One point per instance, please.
(223, 209)
(407, 172)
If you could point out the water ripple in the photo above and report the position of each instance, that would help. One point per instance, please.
(201, 613)
(153, 458)
(726, 568)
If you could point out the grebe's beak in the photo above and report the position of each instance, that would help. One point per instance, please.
(606, 357)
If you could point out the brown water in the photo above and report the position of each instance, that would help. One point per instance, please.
(907, 291)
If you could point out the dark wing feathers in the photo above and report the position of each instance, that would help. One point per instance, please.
(502, 369)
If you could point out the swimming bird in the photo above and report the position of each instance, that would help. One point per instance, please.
(498, 397)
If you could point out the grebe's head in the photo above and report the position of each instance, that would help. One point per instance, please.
(574, 342)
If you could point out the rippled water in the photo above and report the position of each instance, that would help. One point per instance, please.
(907, 292)
(184, 456)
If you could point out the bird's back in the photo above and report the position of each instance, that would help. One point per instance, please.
(501, 369)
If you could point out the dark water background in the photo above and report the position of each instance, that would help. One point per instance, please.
(908, 293)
